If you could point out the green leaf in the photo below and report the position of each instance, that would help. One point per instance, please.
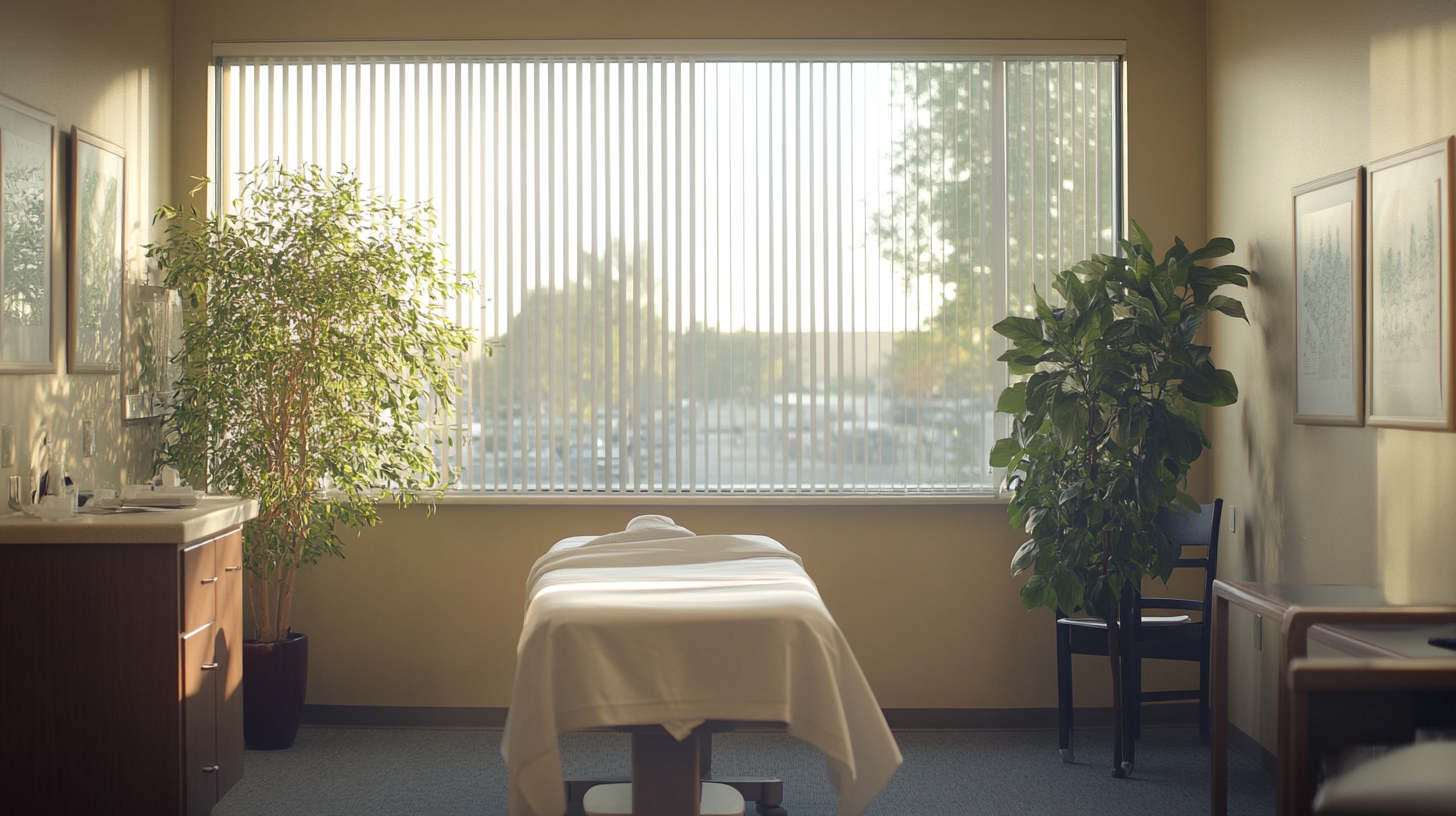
(1176, 252)
(1003, 452)
(1069, 591)
(1228, 306)
(1033, 594)
(1025, 556)
(1211, 387)
(1205, 281)
(1144, 243)
(1225, 391)
(1191, 323)
(1019, 330)
(1216, 248)
(1227, 274)
(1013, 399)
(1066, 418)
(1020, 364)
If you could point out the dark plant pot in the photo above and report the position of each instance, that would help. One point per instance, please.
(275, 677)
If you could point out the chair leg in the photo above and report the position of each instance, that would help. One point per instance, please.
(1203, 717)
(1064, 693)
(1137, 698)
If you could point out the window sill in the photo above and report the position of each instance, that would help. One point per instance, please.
(751, 499)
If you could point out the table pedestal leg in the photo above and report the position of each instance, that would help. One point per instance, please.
(666, 776)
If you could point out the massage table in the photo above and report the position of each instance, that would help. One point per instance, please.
(674, 636)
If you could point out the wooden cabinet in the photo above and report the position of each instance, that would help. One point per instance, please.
(121, 662)
(212, 670)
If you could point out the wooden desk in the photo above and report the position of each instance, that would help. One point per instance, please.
(1381, 640)
(1338, 702)
(1272, 601)
(1342, 616)
(1364, 631)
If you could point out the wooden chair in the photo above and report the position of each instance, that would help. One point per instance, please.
(1162, 637)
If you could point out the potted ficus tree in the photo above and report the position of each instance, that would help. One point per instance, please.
(1106, 424)
(318, 360)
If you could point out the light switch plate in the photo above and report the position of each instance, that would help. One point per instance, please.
(1233, 517)
(88, 439)
(138, 406)
(7, 446)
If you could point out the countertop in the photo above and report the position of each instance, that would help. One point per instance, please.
(211, 516)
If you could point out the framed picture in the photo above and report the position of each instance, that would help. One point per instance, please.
(97, 262)
(1408, 290)
(29, 326)
(1329, 262)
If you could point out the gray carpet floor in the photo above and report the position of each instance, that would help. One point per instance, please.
(394, 772)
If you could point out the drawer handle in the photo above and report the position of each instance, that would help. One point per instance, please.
(208, 666)
(238, 568)
(212, 580)
(209, 768)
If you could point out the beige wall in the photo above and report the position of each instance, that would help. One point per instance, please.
(426, 612)
(1300, 89)
(106, 68)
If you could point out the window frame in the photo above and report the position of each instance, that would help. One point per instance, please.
(726, 49)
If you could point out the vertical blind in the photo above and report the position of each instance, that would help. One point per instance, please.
(716, 275)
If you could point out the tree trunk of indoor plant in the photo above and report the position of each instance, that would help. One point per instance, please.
(275, 677)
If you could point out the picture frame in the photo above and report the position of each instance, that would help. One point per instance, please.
(1329, 296)
(1409, 352)
(97, 263)
(30, 320)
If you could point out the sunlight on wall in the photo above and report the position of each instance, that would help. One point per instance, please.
(1417, 554)
(1412, 77)
(118, 108)
(134, 88)
(1410, 86)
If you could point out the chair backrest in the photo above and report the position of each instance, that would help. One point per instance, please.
(1196, 530)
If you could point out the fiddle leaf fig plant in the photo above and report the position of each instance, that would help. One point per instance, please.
(318, 358)
(1107, 421)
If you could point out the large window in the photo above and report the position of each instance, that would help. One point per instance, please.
(717, 273)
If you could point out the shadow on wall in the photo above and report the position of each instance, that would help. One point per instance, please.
(1261, 519)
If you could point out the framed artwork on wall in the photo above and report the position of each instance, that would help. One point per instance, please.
(1409, 289)
(29, 327)
(97, 257)
(1329, 264)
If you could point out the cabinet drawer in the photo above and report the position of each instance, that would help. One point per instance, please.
(199, 718)
(230, 655)
(199, 585)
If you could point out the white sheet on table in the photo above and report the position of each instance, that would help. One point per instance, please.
(677, 632)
